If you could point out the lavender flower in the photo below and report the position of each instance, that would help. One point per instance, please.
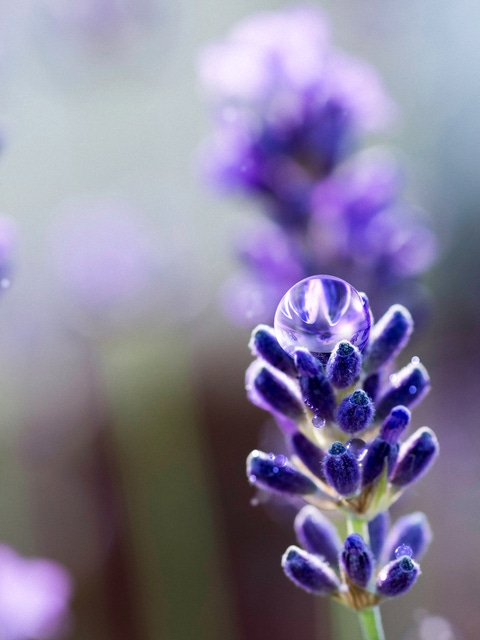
(34, 597)
(290, 112)
(360, 477)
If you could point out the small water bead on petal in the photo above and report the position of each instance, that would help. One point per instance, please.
(309, 454)
(320, 311)
(341, 470)
(344, 365)
(280, 460)
(284, 480)
(317, 534)
(412, 383)
(397, 577)
(309, 572)
(358, 447)
(357, 560)
(355, 412)
(264, 344)
(416, 456)
(403, 550)
(389, 336)
(412, 530)
(318, 422)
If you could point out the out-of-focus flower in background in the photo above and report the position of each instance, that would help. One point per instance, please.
(35, 595)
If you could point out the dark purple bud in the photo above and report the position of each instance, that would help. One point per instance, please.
(388, 337)
(397, 577)
(377, 531)
(379, 454)
(412, 530)
(264, 344)
(407, 387)
(344, 364)
(309, 453)
(355, 412)
(395, 424)
(357, 560)
(371, 385)
(415, 458)
(277, 392)
(317, 534)
(316, 390)
(309, 572)
(342, 470)
(276, 473)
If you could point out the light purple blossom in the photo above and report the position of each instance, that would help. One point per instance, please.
(34, 597)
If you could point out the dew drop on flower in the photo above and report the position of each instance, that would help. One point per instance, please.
(412, 389)
(280, 460)
(275, 469)
(318, 422)
(403, 550)
(271, 456)
(252, 478)
(415, 360)
(357, 446)
(320, 311)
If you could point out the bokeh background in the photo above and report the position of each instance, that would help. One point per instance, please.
(123, 421)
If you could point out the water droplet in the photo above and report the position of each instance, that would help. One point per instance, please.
(5, 283)
(393, 378)
(271, 456)
(412, 389)
(319, 312)
(415, 360)
(275, 469)
(358, 447)
(403, 550)
(281, 460)
(252, 478)
(318, 422)
(254, 502)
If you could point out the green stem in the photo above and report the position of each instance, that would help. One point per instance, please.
(371, 624)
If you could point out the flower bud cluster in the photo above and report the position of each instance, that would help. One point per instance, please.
(345, 417)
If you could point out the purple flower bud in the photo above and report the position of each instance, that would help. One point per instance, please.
(357, 560)
(309, 453)
(309, 572)
(317, 534)
(377, 531)
(395, 424)
(407, 387)
(355, 412)
(371, 385)
(274, 391)
(397, 577)
(389, 335)
(344, 364)
(316, 390)
(412, 530)
(267, 472)
(341, 470)
(379, 453)
(415, 458)
(264, 344)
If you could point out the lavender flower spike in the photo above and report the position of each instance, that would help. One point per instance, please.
(416, 456)
(357, 560)
(264, 344)
(344, 365)
(309, 572)
(275, 473)
(317, 534)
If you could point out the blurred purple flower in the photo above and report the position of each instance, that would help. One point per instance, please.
(34, 597)
(288, 105)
